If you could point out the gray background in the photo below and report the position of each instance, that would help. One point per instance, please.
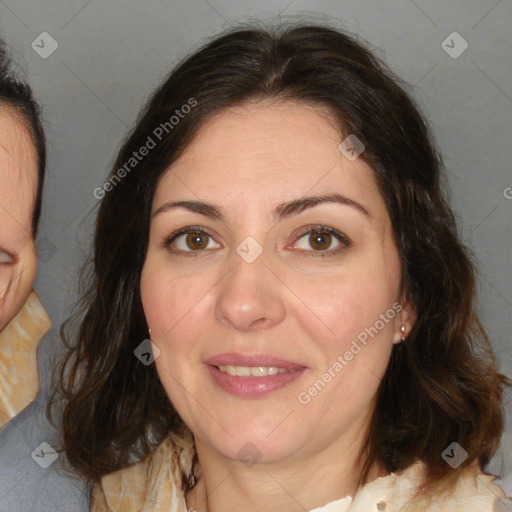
(110, 57)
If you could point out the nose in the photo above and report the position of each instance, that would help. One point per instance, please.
(250, 297)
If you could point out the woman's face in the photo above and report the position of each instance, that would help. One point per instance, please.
(18, 176)
(260, 320)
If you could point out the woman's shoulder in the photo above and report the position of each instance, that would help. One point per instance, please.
(473, 490)
(151, 484)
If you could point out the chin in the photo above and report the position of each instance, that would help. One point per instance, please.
(261, 440)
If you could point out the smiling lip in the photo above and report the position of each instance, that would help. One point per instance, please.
(252, 387)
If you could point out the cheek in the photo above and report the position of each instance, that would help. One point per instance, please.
(175, 307)
(19, 280)
(171, 303)
(353, 346)
(340, 307)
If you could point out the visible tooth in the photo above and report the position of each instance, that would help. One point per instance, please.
(258, 371)
(251, 371)
(243, 371)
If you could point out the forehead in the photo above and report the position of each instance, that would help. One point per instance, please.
(267, 150)
(263, 128)
(16, 146)
(18, 174)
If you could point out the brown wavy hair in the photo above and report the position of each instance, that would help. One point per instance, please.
(441, 385)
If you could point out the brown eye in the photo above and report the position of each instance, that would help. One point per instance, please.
(190, 239)
(320, 240)
(196, 240)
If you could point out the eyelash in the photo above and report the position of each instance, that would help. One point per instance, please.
(343, 239)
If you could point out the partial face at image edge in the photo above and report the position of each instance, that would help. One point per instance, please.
(18, 175)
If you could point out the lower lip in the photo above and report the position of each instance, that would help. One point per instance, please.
(253, 387)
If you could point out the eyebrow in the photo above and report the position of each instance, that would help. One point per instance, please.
(281, 211)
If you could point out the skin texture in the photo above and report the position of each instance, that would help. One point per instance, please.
(18, 176)
(289, 303)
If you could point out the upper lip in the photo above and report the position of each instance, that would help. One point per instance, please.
(233, 359)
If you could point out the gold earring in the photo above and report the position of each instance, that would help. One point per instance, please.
(149, 331)
(403, 332)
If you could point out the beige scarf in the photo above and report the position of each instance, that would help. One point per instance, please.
(19, 376)
(154, 484)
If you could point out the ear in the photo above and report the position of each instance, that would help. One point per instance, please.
(406, 316)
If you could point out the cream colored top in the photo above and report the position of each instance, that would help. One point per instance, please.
(19, 376)
(153, 485)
